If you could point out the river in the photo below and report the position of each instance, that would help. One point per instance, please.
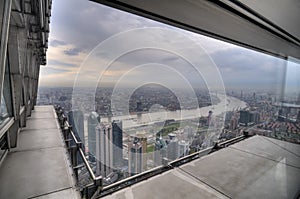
(227, 103)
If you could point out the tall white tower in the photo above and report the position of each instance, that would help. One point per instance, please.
(104, 150)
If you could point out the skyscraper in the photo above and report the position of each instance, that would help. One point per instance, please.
(254, 117)
(76, 120)
(142, 137)
(117, 141)
(93, 121)
(183, 148)
(228, 116)
(139, 111)
(104, 150)
(233, 123)
(209, 117)
(135, 158)
(244, 117)
(159, 151)
(172, 149)
(139, 107)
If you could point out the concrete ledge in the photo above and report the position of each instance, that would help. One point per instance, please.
(38, 167)
(257, 167)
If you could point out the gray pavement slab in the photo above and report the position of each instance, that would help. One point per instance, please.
(34, 172)
(253, 168)
(43, 108)
(41, 123)
(45, 114)
(174, 184)
(48, 138)
(293, 148)
(61, 194)
(38, 167)
(271, 148)
(244, 175)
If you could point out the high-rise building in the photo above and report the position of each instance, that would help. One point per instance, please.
(135, 158)
(109, 115)
(233, 123)
(117, 141)
(160, 151)
(254, 117)
(139, 111)
(209, 117)
(183, 148)
(244, 117)
(139, 107)
(142, 137)
(172, 149)
(104, 150)
(76, 120)
(188, 133)
(93, 122)
(228, 116)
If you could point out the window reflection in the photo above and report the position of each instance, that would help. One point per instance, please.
(6, 106)
(3, 110)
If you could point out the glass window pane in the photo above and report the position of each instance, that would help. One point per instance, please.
(161, 92)
(6, 105)
(3, 110)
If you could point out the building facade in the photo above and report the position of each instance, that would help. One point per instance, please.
(135, 157)
(117, 141)
(104, 150)
(24, 28)
(172, 149)
(93, 122)
(183, 148)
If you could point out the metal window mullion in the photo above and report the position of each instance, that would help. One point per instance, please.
(3, 42)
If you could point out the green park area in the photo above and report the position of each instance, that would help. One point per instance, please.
(150, 148)
(168, 129)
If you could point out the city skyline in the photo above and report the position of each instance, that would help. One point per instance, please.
(116, 152)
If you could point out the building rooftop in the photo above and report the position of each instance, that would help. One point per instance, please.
(38, 167)
(258, 167)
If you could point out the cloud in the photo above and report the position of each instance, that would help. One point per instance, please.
(72, 51)
(86, 23)
(49, 71)
(55, 43)
(240, 60)
(78, 26)
(60, 63)
(244, 67)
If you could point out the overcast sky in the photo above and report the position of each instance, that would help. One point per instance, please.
(79, 26)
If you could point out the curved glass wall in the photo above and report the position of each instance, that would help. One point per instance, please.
(140, 94)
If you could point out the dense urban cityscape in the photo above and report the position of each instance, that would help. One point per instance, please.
(119, 145)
